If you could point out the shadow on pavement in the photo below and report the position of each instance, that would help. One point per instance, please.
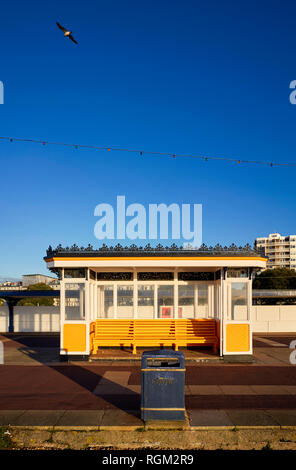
(116, 395)
(22, 347)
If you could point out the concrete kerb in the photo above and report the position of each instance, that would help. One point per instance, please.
(149, 428)
(138, 438)
(106, 420)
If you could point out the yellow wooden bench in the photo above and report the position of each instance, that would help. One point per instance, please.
(190, 332)
(109, 332)
(155, 332)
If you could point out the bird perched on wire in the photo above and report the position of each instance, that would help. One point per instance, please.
(67, 33)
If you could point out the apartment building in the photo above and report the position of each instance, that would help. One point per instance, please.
(280, 250)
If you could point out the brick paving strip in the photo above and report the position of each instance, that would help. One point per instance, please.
(116, 383)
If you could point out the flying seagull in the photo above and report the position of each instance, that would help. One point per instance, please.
(67, 33)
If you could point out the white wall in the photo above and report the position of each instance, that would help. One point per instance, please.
(31, 319)
(3, 318)
(273, 318)
(265, 318)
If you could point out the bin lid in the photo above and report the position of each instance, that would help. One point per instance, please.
(174, 358)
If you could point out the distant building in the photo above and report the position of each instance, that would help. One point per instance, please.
(11, 285)
(29, 279)
(280, 250)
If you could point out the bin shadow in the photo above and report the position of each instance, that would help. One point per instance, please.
(116, 395)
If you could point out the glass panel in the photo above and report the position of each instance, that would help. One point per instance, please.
(91, 300)
(236, 272)
(74, 301)
(203, 301)
(106, 304)
(92, 275)
(120, 276)
(166, 301)
(217, 291)
(76, 273)
(186, 301)
(146, 301)
(239, 301)
(196, 276)
(155, 276)
(125, 302)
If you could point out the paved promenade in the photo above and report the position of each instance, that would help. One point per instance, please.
(36, 390)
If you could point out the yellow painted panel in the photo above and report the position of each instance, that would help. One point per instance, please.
(237, 338)
(74, 338)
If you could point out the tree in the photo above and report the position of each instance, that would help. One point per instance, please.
(46, 301)
(278, 278)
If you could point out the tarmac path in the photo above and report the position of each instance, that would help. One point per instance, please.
(102, 387)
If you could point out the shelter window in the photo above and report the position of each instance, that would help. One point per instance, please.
(108, 293)
(146, 301)
(239, 301)
(75, 301)
(166, 301)
(186, 301)
(125, 301)
(203, 300)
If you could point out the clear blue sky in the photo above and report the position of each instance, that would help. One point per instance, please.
(191, 77)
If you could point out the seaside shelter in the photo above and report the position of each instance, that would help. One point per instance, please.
(139, 297)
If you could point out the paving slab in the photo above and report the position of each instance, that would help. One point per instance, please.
(80, 418)
(283, 417)
(272, 355)
(112, 389)
(291, 389)
(166, 424)
(237, 390)
(269, 390)
(118, 377)
(38, 418)
(204, 390)
(209, 418)
(118, 418)
(135, 388)
(270, 342)
(9, 417)
(251, 418)
(113, 383)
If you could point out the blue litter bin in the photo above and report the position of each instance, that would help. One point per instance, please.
(162, 385)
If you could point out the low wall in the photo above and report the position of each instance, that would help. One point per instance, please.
(265, 319)
(31, 319)
(273, 318)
